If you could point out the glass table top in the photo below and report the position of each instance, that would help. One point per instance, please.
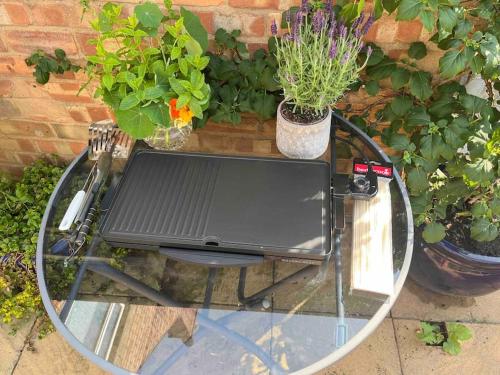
(141, 311)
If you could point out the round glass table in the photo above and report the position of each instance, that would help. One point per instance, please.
(146, 312)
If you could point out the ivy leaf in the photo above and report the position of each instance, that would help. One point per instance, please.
(400, 105)
(431, 146)
(135, 122)
(372, 88)
(463, 28)
(479, 209)
(417, 50)
(454, 133)
(149, 15)
(417, 181)
(409, 9)
(477, 63)
(195, 28)
(399, 142)
(399, 78)
(381, 70)
(483, 229)
(418, 116)
(434, 232)
(447, 18)
(481, 171)
(420, 85)
(475, 105)
(452, 63)
(428, 20)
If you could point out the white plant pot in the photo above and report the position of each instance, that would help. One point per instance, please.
(302, 141)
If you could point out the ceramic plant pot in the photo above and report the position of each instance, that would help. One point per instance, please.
(302, 141)
(448, 269)
(171, 138)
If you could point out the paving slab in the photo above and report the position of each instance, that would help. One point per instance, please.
(480, 355)
(12, 345)
(53, 356)
(415, 302)
(377, 355)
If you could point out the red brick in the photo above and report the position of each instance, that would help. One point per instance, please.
(77, 147)
(396, 53)
(371, 36)
(267, 4)
(27, 41)
(26, 145)
(385, 30)
(199, 3)
(55, 15)
(252, 47)
(79, 114)
(8, 108)
(78, 132)
(48, 147)
(82, 40)
(409, 31)
(6, 87)
(249, 24)
(98, 113)
(257, 27)
(18, 14)
(27, 159)
(3, 48)
(14, 65)
(26, 128)
(244, 145)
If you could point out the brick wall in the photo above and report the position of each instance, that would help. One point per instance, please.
(40, 119)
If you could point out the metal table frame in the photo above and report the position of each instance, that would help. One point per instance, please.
(219, 325)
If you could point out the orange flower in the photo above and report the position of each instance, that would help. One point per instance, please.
(186, 114)
(174, 112)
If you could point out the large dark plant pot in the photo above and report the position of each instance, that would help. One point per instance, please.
(448, 269)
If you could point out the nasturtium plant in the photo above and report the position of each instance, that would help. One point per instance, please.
(148, 61)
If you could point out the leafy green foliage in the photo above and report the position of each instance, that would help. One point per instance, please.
(22, 205)
(449, 139)
(45, 64)
(240, 83)
(431, 334)
(146, 60)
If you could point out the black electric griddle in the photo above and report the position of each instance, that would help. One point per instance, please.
(245, 205)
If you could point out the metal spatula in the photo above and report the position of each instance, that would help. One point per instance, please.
(106, 141)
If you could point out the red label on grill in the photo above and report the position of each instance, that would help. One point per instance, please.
(380, 170)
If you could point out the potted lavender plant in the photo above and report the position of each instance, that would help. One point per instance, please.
(317, 61)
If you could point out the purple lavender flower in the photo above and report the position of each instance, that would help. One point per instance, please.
(329, 9)
(288, 16)
(345, 57)
(357, 33)
(361, 45)
(368, 24)
(333, 28)
(305, 7)
(342, 30)
(318, 21)
(274, 28)
(358, 21)
(333, 49)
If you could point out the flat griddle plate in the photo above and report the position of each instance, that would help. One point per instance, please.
(249, 205)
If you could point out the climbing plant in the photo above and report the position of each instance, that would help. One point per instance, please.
(45, 64)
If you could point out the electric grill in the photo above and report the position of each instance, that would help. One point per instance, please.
(192, 203)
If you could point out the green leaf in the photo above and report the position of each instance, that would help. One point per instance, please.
(183, 100)
(135, 122)
(158, 113)
(463, 28)
(399, 78)
(479, 209)
(176, 52)
(107, 81)
(434, 232)
(390, 5)
(431, 146)
(428, 20)
(447, 18)
(378, 9)
(451, 347)
(351, 11)
(477, 63)
(153, 93)
(376, 57)
(417, 50)
(409, 9)
(381, 70)
(481, 171)
(195, 28)
(196, 108)
(176, 86)
(420, 85)
(60, 53)
(418, 116)
(129, 102)
(459, 331)
(483, 229)
(401, 105)
(417, 181)
(452, 63)
(399, 142)
(372, 88)
(149, 15)
(193, 47)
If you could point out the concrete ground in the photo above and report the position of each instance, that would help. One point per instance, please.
(392, 349)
